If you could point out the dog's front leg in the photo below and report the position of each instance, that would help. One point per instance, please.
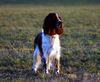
(58, 64)
(48, 65)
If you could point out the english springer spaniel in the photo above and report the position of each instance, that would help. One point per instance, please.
(47, 44)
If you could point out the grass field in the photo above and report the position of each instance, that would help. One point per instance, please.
(80, 41)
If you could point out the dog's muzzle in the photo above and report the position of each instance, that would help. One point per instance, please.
(57, 24)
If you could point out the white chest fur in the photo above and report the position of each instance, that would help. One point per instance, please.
(50, 44)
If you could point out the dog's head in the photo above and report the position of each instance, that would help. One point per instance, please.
(53, 24)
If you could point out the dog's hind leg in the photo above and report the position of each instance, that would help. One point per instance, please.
(35, 59)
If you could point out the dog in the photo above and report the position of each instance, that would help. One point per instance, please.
(47, 47)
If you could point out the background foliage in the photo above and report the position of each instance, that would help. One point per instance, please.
(51, 2)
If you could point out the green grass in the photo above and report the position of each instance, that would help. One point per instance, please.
(80, 40)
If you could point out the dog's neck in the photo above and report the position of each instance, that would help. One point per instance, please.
(51, 40)
(50, 36)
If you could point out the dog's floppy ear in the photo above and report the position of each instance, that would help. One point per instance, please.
(46, 24)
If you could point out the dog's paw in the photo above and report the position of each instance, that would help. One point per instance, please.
(47, 72)
(57, 72)
(34, 70)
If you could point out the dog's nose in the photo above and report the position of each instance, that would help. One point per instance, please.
(58, 23)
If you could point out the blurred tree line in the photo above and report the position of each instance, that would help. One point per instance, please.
(62, 2)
